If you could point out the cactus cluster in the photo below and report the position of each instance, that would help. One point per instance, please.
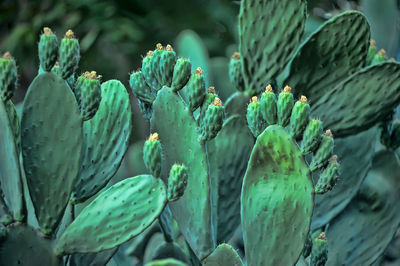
(256, 179)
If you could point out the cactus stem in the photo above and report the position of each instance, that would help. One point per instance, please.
(198, 71)
(287, 89)
(211, 89)
(303, 99)
(268, 88)
(69, 34)
(153, 137)
(217, 101)
(47, 31)
(236, 55)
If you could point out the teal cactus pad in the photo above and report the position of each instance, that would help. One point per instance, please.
(269, 33)
(48, 49)
(223, 255)
(192, 211)
(355, 154)
(15, 124)
(361, 100)
(51, 131)
(228, 155)
(69, 55)
(277, 200)
(106, 138)
(237, 104)
(361, 233)
(332, 53)
(25, 246)
(92, 259)
(118, 214)
(166, 262)
(10, 173)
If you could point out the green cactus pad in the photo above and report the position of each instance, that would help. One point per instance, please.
(269, 106)
(195, 89)
(92, 259)
(372, 50)
(166, 262)
(140, 88)
(328, 178)
(48, 49)
(228, 155)
(312, 136)
(213, 120)
(156, 63)
(15, 124)
(255, 120)
(118, 214)
(355, 154)
(167, 63)
(269, 33)
(361, 100)
(223, 255)
(106, 138)
(209, 99)
(284, 106)
(235, 72)
(181, 75)
(25, 246)
(148, 72)
(277, 185)
(360, 234)
(323, 153)
(69, 55)
(236, 104)
(152, 155)
(333, 52)
(319, 253)
(192, 211)
(10, 173)
(88, 94)
(177, 182)
(51, 128)
(300, 117)
(8, 76)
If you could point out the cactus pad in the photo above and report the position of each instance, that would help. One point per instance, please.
(51, 131)
(223, 255)
(277, 185)
(118, 214)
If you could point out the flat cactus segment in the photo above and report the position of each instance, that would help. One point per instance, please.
(48, 49)
(51, 131)
(92, 259)
(361, 100)
(269, 33)
(333, 52)
(15, 124)
(118, 214)
(277, 200)
(192, 211)
(25, 246)
(361, 233)
(355, 154)
(236, 104)
(228, 155)
(106, 138)
(10, 173)
(223, 255)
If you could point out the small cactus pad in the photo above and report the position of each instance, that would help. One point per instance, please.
(8, 76)
(319, 253)
(223, 255)
(181, 74)
(177, 182)
(152, 155)
(269, 33)
(355, 153)
(195, 89)
(300, 117)
(277, 185)
(69, 55)
(88, 90)
(148, 73)
(51, 131)
(23, 245)
(361, 232)
(235, 72)
(269, 106)
(10, 173)
(106, 138)
(167, 64)
(285, 105)
(254, 117)
(213, 119)
(192, 211)
(48, 49)
(118, 214)
(333, 52)
(361, 100)
(328, 178)
(140, 88)
(323, 153)
(228, 155)
(15, 123)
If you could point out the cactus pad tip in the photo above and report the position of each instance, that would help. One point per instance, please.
(268, 88)
(169, 48)
(372, 42)
(303, 99)
(211, 89)
(149, 53)
(7, 55)
(153, 137)
(47, 31)
(217, 101)
(287, 89)
(159, 46)
(254, 99)
(198, 71)
(322, 236)
(382, 52)
(236, 56)
(328, 133)
(69, 34)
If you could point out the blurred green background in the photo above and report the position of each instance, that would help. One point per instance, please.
(114, 35)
